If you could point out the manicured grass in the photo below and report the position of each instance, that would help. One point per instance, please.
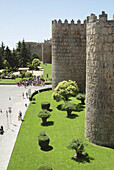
(27, 154)
(47, 70)
(9, 80)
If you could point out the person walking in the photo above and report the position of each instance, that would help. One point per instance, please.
(20, 114)
(23, 95)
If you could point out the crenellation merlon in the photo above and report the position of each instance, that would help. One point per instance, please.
(91, 18)
(103, 17)
(54, 21)
(78, 22)
(65, 23)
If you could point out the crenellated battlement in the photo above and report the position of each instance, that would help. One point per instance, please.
(65, 23)
(102, 18)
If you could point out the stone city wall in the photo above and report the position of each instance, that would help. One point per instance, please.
(69, 52)
(35, 47)
(99, 116)
(42, 49)
(47, 52)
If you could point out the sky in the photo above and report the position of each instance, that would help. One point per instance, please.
(31, 20)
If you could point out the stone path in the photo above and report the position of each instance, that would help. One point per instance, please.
(11, 124)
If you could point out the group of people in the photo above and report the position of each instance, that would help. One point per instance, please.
(36, 81)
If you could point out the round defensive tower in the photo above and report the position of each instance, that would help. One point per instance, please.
(99, 114)
(69, 52)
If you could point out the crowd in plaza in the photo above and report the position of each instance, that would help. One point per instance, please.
(36, 81)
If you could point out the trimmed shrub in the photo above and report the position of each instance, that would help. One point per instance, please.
(78, 146)
(45, 105)
(44, 115)
(28, 74)
(69, 107)
(12, 76)
(43, 140)
(81, 97)
(32, 95)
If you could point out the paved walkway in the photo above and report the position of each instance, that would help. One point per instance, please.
(11, 124)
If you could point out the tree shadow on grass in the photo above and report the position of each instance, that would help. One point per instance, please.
(49, 123)
(33, 102)
(72, 116)
(59, 107)
(48, 148)
(50, 110)
(85, 158)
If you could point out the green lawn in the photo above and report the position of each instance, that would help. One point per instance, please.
(47, 70)
(9, 80)
(27, 154)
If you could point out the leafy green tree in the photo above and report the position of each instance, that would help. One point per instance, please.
(2, 49)
(81, 97)
(36, 62)
(44, 115)
(34, 55)
(25, 57)
(28, 74)
(8, 56)
(23, 54)
(64, 90)
(15, 63)
(78, 146)
(6, 64)
(69, 107)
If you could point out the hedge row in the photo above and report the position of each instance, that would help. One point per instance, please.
(38, 91)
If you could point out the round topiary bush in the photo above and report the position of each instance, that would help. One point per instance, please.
(43, 140)
(44, 115)
(45, 105)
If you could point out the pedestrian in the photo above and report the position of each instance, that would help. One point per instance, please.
(20, 114)
(26, 95)
(23, 95)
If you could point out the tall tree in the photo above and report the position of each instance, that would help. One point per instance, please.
(8, 56)
(23, 54)
(2, 49)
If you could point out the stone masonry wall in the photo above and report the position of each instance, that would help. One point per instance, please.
(35, 47)
(99, 116)
(69, 52)
(47, 52)
(44, 50)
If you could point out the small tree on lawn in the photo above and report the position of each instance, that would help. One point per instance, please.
(81, 97)
(36, 62)
(44, 115)
(64, 90)
(78, 146)
(69, 107)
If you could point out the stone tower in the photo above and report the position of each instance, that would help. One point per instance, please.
(99, 118)
(69, 52)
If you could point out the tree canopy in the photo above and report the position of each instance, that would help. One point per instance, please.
(64, 90)
(18, 57)
(36, 62)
